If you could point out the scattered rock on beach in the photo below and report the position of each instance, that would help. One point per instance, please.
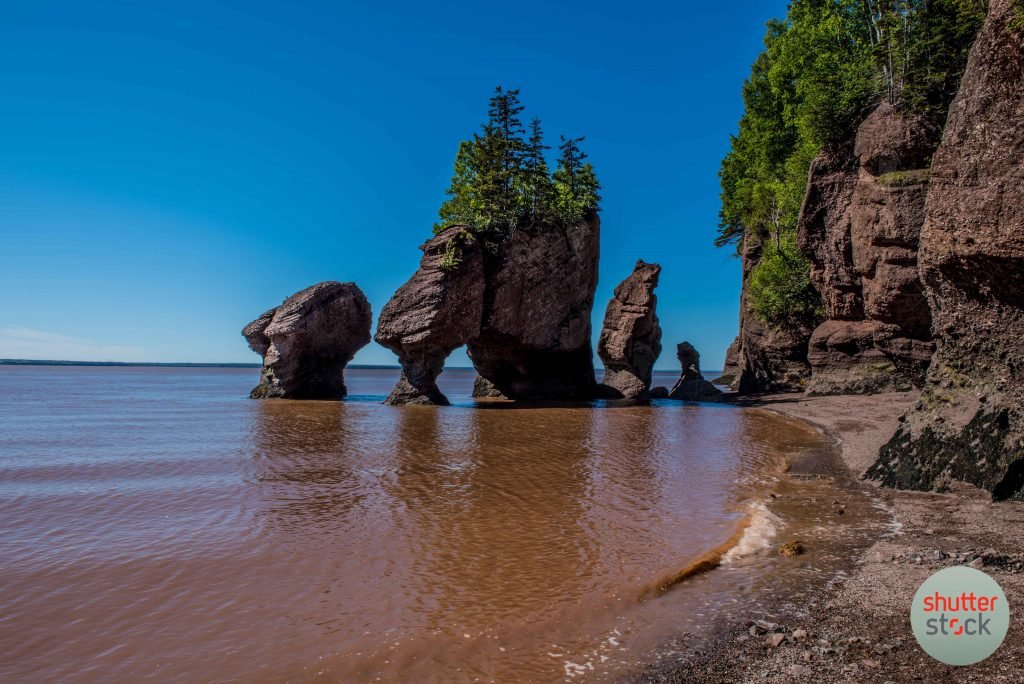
(793, 548)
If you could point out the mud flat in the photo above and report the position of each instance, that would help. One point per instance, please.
(854, 626)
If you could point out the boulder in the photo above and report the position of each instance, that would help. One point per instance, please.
(860, 226)
(308, 340)
(968, 425)
(522, 307)
(485, 389)
(433, 314)
(630, 340)
(691, 385)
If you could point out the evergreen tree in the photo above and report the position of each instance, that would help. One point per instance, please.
(502, 180)
(501, 150)
(463, 206)
(537, 190)
(823, 69)
(576, 187)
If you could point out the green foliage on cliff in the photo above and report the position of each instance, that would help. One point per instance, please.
(780, 287)
(1018, 23)
(502, 180)
(825, 66)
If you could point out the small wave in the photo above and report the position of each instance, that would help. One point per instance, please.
(762, 526)
(753, 534)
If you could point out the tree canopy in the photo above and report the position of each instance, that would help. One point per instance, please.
(825, 66)
(502, 180)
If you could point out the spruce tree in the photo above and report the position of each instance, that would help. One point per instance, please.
(576, 186)
(501, 151)
(502, 180)
(537, 188)
(463, 206)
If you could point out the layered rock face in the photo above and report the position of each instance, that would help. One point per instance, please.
(768, 359)
(308, 340)
(691, 385)
(535, 338)
(630, 340)
(523, 312)
(731, 372)
(433, 314)
(860, 226)
(969, 424)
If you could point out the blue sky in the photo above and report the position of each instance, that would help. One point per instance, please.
(169, 170)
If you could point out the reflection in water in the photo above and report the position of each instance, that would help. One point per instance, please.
(191, 534)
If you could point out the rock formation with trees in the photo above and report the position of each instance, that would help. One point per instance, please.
(806, 97)
(510, 273)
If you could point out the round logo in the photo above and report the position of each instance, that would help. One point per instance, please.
(960, 616)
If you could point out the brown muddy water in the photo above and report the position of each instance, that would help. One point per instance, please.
(156, 525)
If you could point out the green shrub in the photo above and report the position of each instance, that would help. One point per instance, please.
(781, 294)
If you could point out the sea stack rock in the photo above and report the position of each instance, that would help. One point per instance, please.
(969, 425)
(691, 385)
(433, 314)
(860, 227)
(522, 308)
(308, 340)
(630, 339)
(535, 341)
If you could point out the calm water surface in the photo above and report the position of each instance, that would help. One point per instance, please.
(156, 525)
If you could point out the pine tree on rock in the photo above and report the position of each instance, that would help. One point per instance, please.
(538, 189)
(502, 181)
(463, 206)
(576, 186)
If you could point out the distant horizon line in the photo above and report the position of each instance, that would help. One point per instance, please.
(186, 364)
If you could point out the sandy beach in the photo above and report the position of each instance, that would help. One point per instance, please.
(859, 629)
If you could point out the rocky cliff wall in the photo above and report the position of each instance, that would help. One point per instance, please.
(860, 227)
(969, 423)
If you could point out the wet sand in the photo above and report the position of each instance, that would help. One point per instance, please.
(858, 629)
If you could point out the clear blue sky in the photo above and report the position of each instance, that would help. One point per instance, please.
(169, 170)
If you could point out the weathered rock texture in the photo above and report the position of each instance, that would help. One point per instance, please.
(731, 372)
(630, 340)
(523, 311)
(433, 314)
(860, 226)
(768, 359)
(308, 340)
(691, 385)
(969, 425)
(485, 389)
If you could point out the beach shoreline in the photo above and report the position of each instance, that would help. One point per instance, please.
(858, 629)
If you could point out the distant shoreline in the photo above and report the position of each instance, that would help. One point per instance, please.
(156, 364)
